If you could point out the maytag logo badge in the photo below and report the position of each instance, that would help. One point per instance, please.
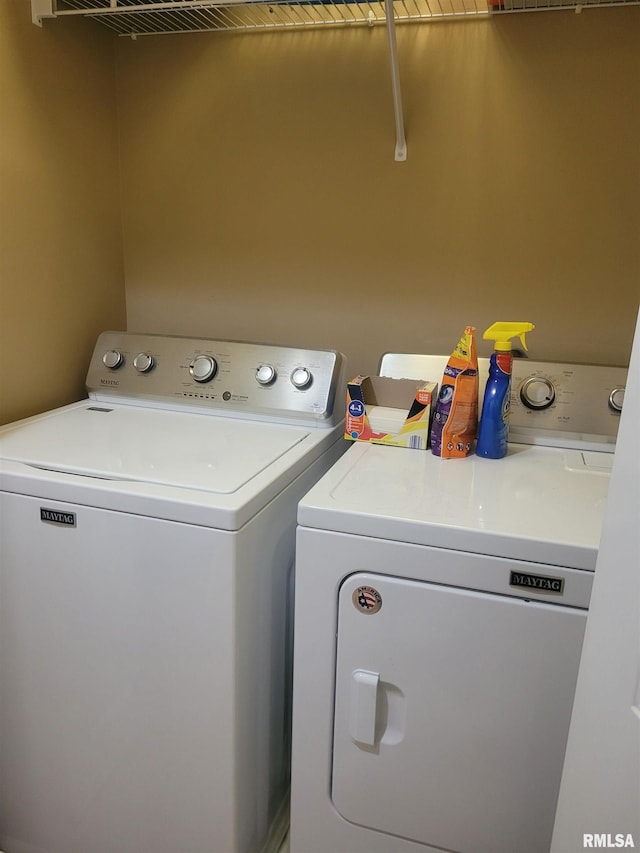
(539, 583)
(54, 516)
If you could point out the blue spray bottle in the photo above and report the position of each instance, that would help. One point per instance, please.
(494, 421)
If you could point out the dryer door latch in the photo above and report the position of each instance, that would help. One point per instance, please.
(363, 707)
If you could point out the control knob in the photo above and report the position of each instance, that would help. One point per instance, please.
(143, 362)
(537, 392)
(301, 377)
(616, 399)
(113, 359)
(266, 374)
(203, 368)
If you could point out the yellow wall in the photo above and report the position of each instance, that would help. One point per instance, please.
(262, 200)
(61, 275)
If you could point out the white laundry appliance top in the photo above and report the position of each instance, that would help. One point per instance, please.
(152, 446)
(538, 504)
(209, 451)
(541, 503)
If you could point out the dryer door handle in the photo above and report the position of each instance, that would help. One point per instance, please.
(363, 706)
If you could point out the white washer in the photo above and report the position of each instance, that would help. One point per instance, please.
(146, 543)
(439, 617)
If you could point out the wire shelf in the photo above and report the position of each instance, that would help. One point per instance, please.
(150, 17)
(147, 17)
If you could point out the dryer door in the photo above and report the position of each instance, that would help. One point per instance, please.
(451, 713)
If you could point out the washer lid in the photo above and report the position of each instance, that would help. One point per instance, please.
(129, 443)
(536, 504)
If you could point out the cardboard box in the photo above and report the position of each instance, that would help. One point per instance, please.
(383, 410)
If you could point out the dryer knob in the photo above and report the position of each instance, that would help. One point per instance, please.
(143, 362)
(537, 392)
(616, 399)
(203, 368)
(301, 377)
(113, 359)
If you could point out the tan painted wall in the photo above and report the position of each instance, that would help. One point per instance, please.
(61, 274)
(262, 201)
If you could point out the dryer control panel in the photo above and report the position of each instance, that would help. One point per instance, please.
(235, 378)
(554, 398)
(552, 403)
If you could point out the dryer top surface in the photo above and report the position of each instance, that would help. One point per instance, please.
(540, 504)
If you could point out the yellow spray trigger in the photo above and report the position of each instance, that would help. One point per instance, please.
(502, 333)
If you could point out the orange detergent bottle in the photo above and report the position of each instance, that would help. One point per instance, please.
(455, 419)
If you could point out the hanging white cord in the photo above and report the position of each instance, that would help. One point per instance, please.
(401, 143)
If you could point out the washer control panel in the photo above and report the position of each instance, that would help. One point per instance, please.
(225, 377)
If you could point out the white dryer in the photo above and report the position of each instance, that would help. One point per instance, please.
(146, 542)
(439, 617)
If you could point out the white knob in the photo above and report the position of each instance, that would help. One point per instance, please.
(266, 374)
(113, 359)
(616, 399)
(537, 392)
(143, 362)
(301, 377)
(203, 368)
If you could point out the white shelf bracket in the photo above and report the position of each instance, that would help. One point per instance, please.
(42, 9)
(401, 143)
